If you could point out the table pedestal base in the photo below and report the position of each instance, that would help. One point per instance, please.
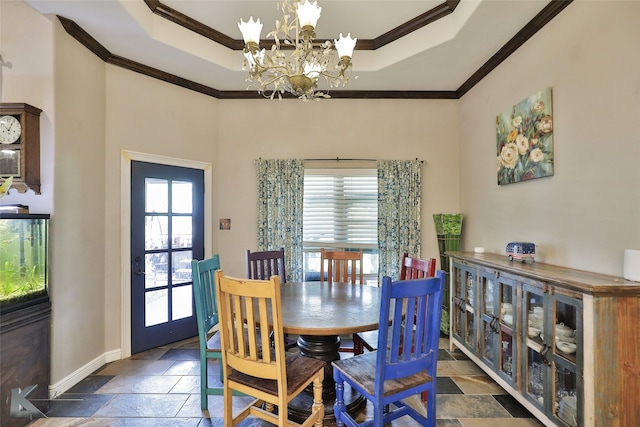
(325, 348)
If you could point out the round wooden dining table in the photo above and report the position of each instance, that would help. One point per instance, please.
(319, 312)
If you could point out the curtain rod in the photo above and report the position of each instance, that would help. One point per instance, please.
(337, 159)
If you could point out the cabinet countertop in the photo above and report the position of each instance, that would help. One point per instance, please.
(577, 280)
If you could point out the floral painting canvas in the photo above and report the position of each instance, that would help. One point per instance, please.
(525, 140)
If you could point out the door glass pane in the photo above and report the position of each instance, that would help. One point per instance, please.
(470, 336)
(489, 335)
(156, 305)
(181, 195)
(506, 304)
(156, 232)
(488, 295)
(470, 287)
(181, 300)
(535, 375)
(506, 359)
(181, 232)
(566, 401)
(181, 266)
(565, 330)
(535, 316)
(156, 268)
(157, 195)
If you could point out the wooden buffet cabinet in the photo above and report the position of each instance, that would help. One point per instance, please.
(518, 322)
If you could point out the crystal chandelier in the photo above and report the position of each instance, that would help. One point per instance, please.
(297, 71)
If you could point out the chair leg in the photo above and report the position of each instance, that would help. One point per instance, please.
(431, 407)
(338, 407)
(378, 414)
(203, 384)
(318, 407)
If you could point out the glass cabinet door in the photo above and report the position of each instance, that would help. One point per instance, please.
(497, 307)
(507, 352)
(463, 309)
(553, 354)
(566, 360)
(535, 362)
(488, 338)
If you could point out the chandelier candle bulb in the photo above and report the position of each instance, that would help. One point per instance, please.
(251, 31)
(308, 13)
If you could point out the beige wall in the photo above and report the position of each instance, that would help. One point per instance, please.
(582, 217)
(588, 212)
(372, 129)
(147, 116)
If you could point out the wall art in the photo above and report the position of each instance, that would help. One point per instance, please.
(525, 140)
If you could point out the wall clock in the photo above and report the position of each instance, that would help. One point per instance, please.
(10, 129)
(20, 145)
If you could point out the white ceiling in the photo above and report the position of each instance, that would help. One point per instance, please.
(440, 56)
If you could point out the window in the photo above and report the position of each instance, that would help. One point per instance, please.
(340, 211)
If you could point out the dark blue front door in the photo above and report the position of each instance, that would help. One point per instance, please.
(167, 232)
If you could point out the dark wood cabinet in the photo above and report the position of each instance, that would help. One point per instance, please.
(25, 358)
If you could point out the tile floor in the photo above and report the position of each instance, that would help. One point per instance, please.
(160, 387)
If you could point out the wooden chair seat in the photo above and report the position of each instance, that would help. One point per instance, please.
(360, 369)
(297, 372)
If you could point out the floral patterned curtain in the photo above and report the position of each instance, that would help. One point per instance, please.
(280, 200)
(399, 200)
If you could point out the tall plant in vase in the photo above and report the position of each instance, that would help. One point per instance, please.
(448, 231)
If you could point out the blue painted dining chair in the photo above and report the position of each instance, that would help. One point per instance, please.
(406, 359)
(204, 288)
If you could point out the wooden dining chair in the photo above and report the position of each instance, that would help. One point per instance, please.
(262, 265)
(204, 290)
(343, 267)
(410, 268)
(406, 360)
(249, 311)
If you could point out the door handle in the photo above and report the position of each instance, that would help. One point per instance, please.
(140, 273)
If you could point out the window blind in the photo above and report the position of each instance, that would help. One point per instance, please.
(340, 208)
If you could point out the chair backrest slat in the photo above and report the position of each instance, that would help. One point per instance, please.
(202, 273)
(250, 312)
(416, 268)
(342, 266)
(262, 265)
(411, 345)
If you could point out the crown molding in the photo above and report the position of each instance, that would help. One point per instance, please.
(550, 11)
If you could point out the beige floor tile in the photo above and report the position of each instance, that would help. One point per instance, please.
(467, 406)
(139, 384)
(449, 368)
(129, 367)
(477, 384)
(499, 422)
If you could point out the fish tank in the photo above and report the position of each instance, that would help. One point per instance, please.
(24, 256)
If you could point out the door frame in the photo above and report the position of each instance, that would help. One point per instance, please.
(126, 157)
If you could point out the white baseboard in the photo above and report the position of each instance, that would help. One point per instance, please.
(78, 375)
